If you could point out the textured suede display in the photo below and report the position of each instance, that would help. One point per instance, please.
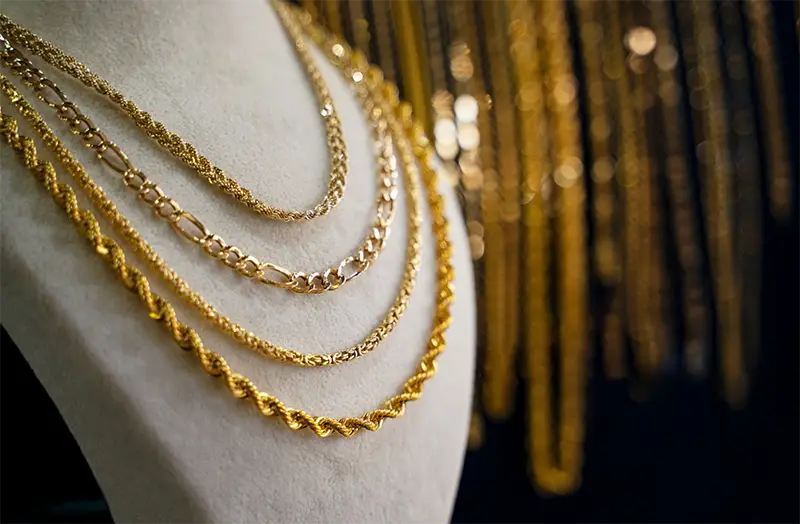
(166, 441)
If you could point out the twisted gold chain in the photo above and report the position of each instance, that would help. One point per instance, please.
(186, 151)
(225, 324)
(188, 225)
(399, 117)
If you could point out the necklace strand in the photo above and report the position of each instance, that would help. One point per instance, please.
(192, 228)
(186, 151)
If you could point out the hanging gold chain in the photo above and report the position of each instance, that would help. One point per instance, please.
(747, 198)
(759, 13)
(557, 468)
(227, 325)
(186, 151)
(716, 174)
(606, 249)
(188, 339)
(687, 239)
(537, 186)
(191, 227)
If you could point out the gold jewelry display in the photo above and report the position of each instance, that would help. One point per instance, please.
(411, 142)
(190, 226)
(227, 325)
(759, 14)
(186, 151)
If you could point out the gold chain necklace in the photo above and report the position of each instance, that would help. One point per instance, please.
(189, 225)
(186, 151)
(408, 132)
(227, 325)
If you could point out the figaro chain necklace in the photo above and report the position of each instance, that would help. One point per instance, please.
(183, 221)
(411, 137)
(186, 151)
(227, 325)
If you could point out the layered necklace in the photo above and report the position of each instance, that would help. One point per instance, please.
(393, 128)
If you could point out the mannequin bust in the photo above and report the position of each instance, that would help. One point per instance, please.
(166, 442)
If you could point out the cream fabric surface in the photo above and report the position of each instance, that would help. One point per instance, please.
(167, 442)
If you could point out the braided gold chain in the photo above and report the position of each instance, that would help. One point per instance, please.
(186, 151)
(399, 116)
(192, 228)
(371, 86)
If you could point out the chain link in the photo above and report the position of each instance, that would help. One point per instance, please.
(214, 245)
(186, 151)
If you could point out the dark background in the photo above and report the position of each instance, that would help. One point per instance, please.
(680, 456)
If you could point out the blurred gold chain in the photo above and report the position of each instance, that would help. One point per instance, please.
(716, 176)
(635, 226)
(557, 468)
(537, 186)
(188, 225)
(747, 199)
(603, 174)
(186, 151)
(687, 238)
(759, 13)
(227, 325)
(188, 339)
(501, 215)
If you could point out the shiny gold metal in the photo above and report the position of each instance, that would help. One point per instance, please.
(349, 267)
(316, 282)
(411, 136)
(186, 151)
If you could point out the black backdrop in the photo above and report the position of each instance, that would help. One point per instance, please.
(682, 456)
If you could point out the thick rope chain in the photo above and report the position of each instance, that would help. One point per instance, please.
(186, 151)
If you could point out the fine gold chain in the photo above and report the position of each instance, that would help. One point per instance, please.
(759, 13)
(188, 225)
(715, 167)
(186, 151)
(227, 325)
(188, 339)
